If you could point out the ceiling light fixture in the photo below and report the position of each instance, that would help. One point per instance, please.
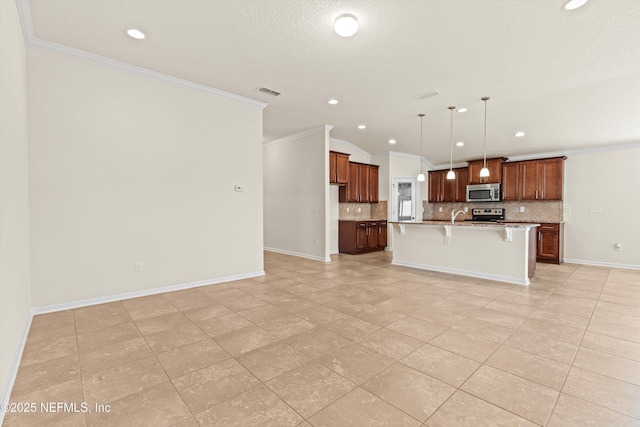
(573, 4)
(459, 144)
(421, 176)
(484, 172)
(519, 134)
(462, 110)
(333, 101)
(392, 141)
(362, 126)
(346, 25)
(451, 174)
(136, 34)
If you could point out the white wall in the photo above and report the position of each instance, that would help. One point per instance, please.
(125, 168)
(611, 180)
(15, 291)
(401, 166)
(356, 154)
(384, 179)
(296, 194)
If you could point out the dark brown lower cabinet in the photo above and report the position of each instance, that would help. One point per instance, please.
(550, 243)
(356, 237)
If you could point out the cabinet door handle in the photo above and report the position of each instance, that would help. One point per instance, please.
(536, 194)
(539, 234)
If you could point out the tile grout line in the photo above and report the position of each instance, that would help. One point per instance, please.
(575, 354)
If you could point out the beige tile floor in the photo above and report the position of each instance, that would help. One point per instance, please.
(354, 342)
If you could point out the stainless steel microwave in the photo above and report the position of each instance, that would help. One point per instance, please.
(483, 193)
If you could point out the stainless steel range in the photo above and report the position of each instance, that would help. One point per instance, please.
(487, 215)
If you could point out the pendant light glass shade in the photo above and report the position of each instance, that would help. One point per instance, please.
(451, 174)
(484, 172)
(421, 177)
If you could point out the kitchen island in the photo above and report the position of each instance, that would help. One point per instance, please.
(505, 252)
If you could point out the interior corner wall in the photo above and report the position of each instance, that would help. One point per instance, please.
(126, 169)
(609, 180)
(296, 180)
(15, 289)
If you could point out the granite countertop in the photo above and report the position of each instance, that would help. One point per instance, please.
(368, 219)
(472, 223)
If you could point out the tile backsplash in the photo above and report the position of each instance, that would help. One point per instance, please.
(360, 211)
(533, 211)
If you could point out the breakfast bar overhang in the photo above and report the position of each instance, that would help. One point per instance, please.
(504, 252)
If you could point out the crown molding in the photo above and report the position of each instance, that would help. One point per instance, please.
(425, 162)
(24, 11)
(299, 135)
(350, 146)
(577, 151)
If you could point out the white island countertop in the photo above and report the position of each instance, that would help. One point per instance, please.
(471, 223)
(503, 251)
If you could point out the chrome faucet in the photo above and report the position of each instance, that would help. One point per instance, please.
(454, 214)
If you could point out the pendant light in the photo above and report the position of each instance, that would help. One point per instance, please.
(421, 176)
(484, 172)
(451, 174)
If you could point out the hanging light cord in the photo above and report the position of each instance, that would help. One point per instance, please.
(421, 120)
(485, 99)
(451, 141)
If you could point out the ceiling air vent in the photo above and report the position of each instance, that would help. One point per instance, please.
(269, 91)
(427, 94)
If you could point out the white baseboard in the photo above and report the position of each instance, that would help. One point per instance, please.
(496, 278)
(298, 254)
(141, 293)
(13, 368)
(602, 264)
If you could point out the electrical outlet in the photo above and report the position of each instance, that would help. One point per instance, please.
(440, 209)
(347, 210)
(521, 209)
(137, 267)
(466, 209)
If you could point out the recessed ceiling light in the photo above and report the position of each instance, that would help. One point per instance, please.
(519, 134)
(392, 141)
(136, 34)
(459, 144)
(574, 4)
(333, 101)
(462, 110)
(362, 126)
(346, 25)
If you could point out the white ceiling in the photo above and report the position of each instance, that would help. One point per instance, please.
(570, 80)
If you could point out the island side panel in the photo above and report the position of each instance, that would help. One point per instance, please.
(470, 251)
